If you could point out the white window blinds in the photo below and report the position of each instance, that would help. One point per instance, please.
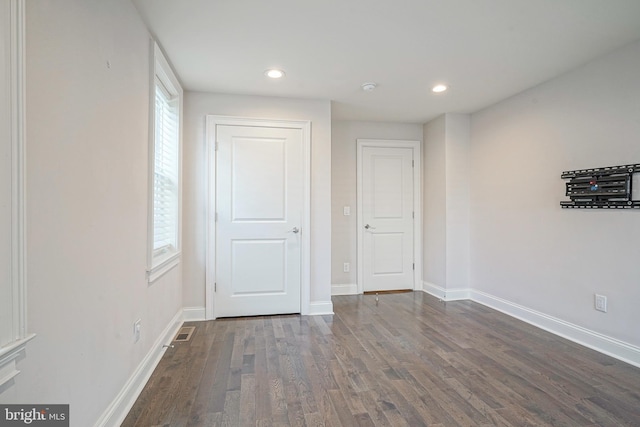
(165, 105)
(166, 172)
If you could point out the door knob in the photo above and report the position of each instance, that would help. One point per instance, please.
(294, 230)
(369, 227)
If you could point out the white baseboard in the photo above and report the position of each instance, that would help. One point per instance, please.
(610, 346)
(434, 290)
(320, 307)
(446, 294)
(457, 294)
(193, 314)
(342, 289)
(117, 411)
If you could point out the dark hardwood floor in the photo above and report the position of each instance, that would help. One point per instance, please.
(408, 360)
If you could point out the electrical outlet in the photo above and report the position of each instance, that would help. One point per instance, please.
(601, 303)
(136, 330)
(346, 267)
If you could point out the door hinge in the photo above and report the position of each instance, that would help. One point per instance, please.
(414, 265)
(215, 217)
(215, 146)
(413, 215)
(215, 287)
(413, 164)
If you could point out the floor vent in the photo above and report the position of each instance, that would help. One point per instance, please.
(184, 334)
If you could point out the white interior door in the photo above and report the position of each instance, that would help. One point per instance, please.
(259, 205)
(387, 218)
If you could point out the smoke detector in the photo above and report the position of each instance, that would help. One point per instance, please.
(368, 87)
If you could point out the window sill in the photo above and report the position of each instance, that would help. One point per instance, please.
(163, 267)
(8, 356)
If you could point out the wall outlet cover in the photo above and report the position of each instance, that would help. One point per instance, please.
(136, 330)
(601, 303)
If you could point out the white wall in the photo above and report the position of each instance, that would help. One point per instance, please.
(87, 139)
(197, 107)
(343, 188)
(435, 203)
(458, 134)
(524, 248)
(446, 206)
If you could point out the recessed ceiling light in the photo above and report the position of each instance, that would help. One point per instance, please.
(439, 88)
(274, 73)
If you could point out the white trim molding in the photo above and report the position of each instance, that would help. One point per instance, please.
(8, 356)
(194, 314)
(212, 122)
(156, 272)
(18, 281)
(434, 290)
(344, 289)
(610, 346)
(117, 411)
(416, 146)
(446, 294)
(318, 308)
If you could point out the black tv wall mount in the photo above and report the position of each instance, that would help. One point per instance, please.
(601, 188)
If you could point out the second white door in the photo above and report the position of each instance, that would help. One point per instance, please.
(387, 218)
(259, 200)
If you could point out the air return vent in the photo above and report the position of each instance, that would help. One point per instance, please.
(184, 334)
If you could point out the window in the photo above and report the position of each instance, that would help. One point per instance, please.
(165, 171)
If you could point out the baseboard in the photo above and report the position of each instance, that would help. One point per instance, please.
(446, 294)
(610, 346)
(434, 290)
(342, 289)
(117, 411)
(457, 294)
(193, 314)
(320, 308)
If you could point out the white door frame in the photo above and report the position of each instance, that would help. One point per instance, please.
(305, 235)
(417, 204)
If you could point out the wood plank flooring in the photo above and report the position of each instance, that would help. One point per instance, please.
(407, 360)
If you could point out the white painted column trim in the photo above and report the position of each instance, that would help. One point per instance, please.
(18, 282)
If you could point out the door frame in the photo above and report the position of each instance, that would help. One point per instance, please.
(416, 147)
(305, 238)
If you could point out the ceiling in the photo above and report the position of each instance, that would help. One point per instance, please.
(485, 50)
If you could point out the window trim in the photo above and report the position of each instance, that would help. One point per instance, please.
(18, 283)
(159, 264)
